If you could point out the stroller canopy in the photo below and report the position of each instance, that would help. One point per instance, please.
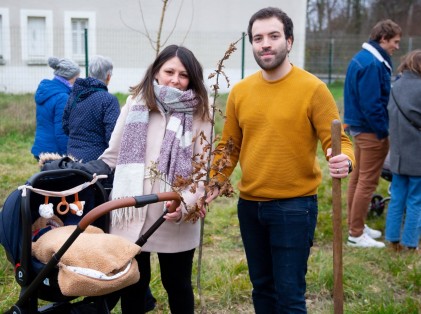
(10, 226)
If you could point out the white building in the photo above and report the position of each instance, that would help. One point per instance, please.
(31, 31)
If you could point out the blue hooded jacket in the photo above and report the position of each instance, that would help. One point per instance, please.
(50, 97)
(89, 119)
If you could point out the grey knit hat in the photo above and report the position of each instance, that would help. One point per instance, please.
(64, 67)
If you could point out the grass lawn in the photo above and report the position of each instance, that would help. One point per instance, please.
(375, 280)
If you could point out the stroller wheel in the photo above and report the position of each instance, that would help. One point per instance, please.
(376, 205)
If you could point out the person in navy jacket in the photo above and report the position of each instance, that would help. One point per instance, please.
(91, 112)
(51, 98)
(366, 94)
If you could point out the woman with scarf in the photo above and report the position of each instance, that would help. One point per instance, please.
(160, 125)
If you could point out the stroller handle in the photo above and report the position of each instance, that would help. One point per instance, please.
(136, 201)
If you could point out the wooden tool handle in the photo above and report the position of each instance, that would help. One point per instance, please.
(338, 297)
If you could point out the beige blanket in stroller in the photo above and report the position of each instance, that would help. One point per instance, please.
(95, 264)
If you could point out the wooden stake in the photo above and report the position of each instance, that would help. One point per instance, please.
(338, 292)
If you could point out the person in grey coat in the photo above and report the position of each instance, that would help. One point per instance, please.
(405, 164)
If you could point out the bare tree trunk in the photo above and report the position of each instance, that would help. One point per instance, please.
(356, 16)
(320, 5)
(161, 23)
(160, 41)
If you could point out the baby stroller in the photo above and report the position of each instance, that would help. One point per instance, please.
(39, 281)
(378, 202)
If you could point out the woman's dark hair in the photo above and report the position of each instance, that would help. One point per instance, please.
(386, 29)
(194, 70)
(269, 12)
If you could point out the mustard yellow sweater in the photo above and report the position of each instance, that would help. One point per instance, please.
(276, 127)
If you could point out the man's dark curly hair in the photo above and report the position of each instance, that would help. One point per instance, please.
(269, 12)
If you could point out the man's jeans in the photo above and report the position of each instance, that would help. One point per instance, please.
(277, 237)
(405, 201)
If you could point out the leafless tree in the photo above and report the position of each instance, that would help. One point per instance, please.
(158, 42)
(404, 12)
(358, 16)
(321, 14)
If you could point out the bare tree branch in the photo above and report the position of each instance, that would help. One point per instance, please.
(191, 23)
(148, 36)
(129, 27)
(175, 23)
(159, 42)
(161, 24)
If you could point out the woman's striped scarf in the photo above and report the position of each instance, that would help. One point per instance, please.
(176, 149)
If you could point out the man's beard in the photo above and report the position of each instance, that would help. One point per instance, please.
(275, 63)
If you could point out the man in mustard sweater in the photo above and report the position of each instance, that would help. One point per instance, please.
(275, 118)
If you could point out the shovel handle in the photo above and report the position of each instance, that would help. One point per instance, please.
(338, 297)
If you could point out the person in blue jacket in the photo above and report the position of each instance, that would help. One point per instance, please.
(51, 98)
(91, 112)
(366, 94)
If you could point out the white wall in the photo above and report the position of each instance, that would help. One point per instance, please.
(206, 27)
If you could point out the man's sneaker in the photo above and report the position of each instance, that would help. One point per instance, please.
(372, 233)
(364, 241)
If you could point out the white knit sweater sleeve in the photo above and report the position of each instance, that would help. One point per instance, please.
(111, 153)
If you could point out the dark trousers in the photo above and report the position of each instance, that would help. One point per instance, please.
(277, 237)
(176, 271)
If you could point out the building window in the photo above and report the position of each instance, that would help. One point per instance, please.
(74, 43)
(36, 39)
(4, 36)
(37, 36)
(78, 37)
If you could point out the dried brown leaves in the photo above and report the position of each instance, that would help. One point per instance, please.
(201, 163)
(219, 69)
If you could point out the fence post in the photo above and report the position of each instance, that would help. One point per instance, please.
(242, 54)
(331, 46)
(86, 53)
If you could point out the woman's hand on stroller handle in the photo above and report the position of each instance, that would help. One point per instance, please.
(137, 201)
(175, 215)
